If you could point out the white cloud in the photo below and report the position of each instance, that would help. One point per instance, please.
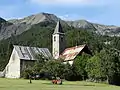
(71, 17)
(65, 17)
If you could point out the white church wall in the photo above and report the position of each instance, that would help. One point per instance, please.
(56, 46)
(58, 41)
(12, 70)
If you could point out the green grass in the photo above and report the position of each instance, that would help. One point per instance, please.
(21, 84)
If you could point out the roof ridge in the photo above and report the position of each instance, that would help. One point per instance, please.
(27, 46)
(77, 46)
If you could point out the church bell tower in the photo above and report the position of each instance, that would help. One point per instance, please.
(58, 41)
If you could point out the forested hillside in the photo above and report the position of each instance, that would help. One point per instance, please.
(40, 35)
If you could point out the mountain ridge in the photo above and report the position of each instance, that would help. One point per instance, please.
(35, 19)
(18, 26)
(21, 25)
(98, 28)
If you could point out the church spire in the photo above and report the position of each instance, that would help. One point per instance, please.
(58, 41)
(58, 28)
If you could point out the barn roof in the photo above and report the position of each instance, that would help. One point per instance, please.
(29, 53)
(71, 53)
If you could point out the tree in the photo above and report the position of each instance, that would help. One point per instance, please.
(105, 66)
(68, 72)
(111, 64)
(55, 68)
(94, 69)
(79, 66)
(39, 63)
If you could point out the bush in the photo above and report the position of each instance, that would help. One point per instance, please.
(26, 73)
(79, 66)
(94, 69)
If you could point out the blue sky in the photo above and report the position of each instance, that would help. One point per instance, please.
(98, 11)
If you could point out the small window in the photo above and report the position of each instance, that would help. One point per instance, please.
(54, 38)
(62, 39)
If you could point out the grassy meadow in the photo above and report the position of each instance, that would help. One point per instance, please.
(21, 84)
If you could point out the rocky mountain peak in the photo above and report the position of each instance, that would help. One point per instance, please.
(35, 19)
(81, 24)
(110, 30)
(21, 25)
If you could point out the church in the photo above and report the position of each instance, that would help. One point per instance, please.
(59, 50)
(23, 56)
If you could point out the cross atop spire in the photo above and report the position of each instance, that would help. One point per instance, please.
(58, 28)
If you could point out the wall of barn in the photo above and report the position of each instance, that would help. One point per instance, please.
(12, 69)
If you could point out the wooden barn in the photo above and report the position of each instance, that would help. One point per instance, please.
(23, 57)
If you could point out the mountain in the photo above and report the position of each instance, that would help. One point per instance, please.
(98, 28)
(81, 24)
(18, 26)
(2, 20)
(4, 23)
(35, 19)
